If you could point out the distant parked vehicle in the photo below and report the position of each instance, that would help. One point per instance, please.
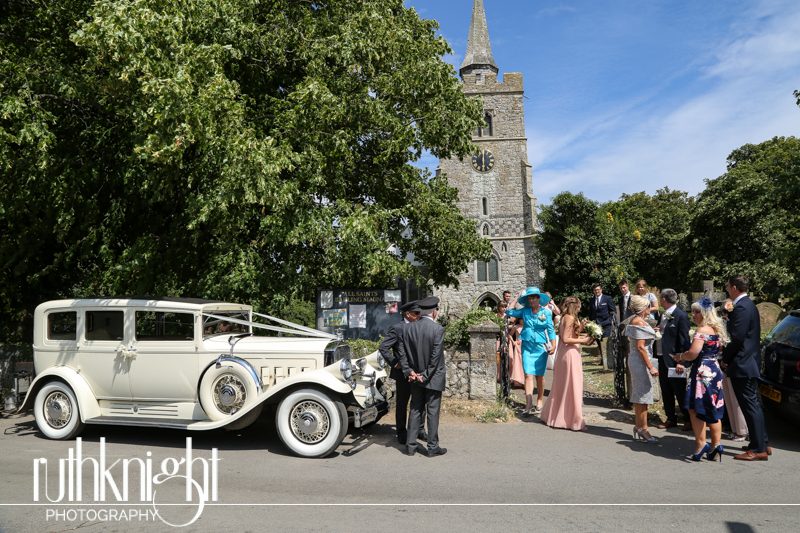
(780, 366)
(196, 365)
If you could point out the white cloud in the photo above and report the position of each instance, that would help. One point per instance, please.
(648, 145)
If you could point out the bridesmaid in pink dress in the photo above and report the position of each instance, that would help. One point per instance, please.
(517, 375)
(564, 405)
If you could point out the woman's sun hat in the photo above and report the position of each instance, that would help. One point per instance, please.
(532, 291)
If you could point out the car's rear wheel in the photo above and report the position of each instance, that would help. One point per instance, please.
(56, 411)
(227, 389)
(311, 423)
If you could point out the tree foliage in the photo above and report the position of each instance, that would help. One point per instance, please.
(581, 243)
(656, 229)
(747, 221)
(230, 149)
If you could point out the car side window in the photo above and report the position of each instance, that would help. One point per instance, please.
(105, 325)
(62, 326)
(164, 326)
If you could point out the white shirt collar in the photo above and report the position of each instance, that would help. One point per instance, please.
(429, 317)
(739, 298)
(671, 310)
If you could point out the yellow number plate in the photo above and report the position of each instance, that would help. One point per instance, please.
(770, 392)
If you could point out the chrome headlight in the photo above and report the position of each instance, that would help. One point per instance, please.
(381, 361)
(346, 368)
(361, 364)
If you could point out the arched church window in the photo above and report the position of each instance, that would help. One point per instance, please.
(485, 230)
(503, 247)
(487, 270)
(485, 206)
(488, 129)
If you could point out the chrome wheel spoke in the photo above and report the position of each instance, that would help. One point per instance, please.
(309, 421)
(229, 394)
(57, 410)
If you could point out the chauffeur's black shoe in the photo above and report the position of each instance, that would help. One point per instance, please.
(410, 452)
(437, 451)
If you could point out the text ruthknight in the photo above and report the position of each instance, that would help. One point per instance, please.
(105, 478)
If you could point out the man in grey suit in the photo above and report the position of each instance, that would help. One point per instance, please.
(390, 350)
(422, 361)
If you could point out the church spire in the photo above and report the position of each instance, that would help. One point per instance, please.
(479, 49)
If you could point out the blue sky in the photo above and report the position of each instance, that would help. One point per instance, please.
(625, 96)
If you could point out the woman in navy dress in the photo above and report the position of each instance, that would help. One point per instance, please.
(704, 397)
(538, 339)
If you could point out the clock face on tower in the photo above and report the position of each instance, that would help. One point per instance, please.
(483, 161)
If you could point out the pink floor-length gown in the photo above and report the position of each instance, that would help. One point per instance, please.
(564, 406)
(517, 375)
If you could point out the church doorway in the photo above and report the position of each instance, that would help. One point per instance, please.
(487, 301)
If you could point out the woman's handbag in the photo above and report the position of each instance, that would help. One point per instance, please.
(551, 357)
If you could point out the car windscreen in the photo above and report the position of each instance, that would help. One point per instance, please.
(787, 332)
(215, 326)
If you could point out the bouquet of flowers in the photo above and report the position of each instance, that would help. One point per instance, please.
(593, 329)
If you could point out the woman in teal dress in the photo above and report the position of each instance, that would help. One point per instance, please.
(538, 339)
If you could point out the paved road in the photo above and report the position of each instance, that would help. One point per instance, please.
(496, 477)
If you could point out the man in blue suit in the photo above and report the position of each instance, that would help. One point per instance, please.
(601, 310)
(674, 328)
(741, 360)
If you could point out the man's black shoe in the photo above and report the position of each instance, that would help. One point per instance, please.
(410, 452)
(437, 451)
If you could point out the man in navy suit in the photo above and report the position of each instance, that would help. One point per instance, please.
(601, 310)
(741, 360)
(390, 350)
(674, 327)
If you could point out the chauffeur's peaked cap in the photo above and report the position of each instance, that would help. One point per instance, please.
(431, 302)
(410, 307)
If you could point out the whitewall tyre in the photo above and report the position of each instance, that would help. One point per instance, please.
(311, 423)
(226, 390)
(56, 411)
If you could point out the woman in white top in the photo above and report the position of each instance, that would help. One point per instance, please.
(641, 289)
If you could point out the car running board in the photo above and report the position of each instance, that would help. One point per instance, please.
(148, 422)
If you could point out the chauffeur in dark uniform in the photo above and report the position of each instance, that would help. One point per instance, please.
(390, 350)
(422, 361)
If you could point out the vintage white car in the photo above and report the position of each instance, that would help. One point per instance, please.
(197, 365)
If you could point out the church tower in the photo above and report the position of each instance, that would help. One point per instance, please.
(495, 186)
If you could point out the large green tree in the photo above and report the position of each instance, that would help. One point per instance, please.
(233, 149)
(747, 221)
(656, 229)
(581, 243)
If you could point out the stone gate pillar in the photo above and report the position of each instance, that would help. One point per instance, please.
(483, 361)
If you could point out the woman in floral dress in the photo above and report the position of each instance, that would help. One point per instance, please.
(704, 396)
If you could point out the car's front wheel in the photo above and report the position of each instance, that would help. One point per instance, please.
(311, 423)
(56, 411)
